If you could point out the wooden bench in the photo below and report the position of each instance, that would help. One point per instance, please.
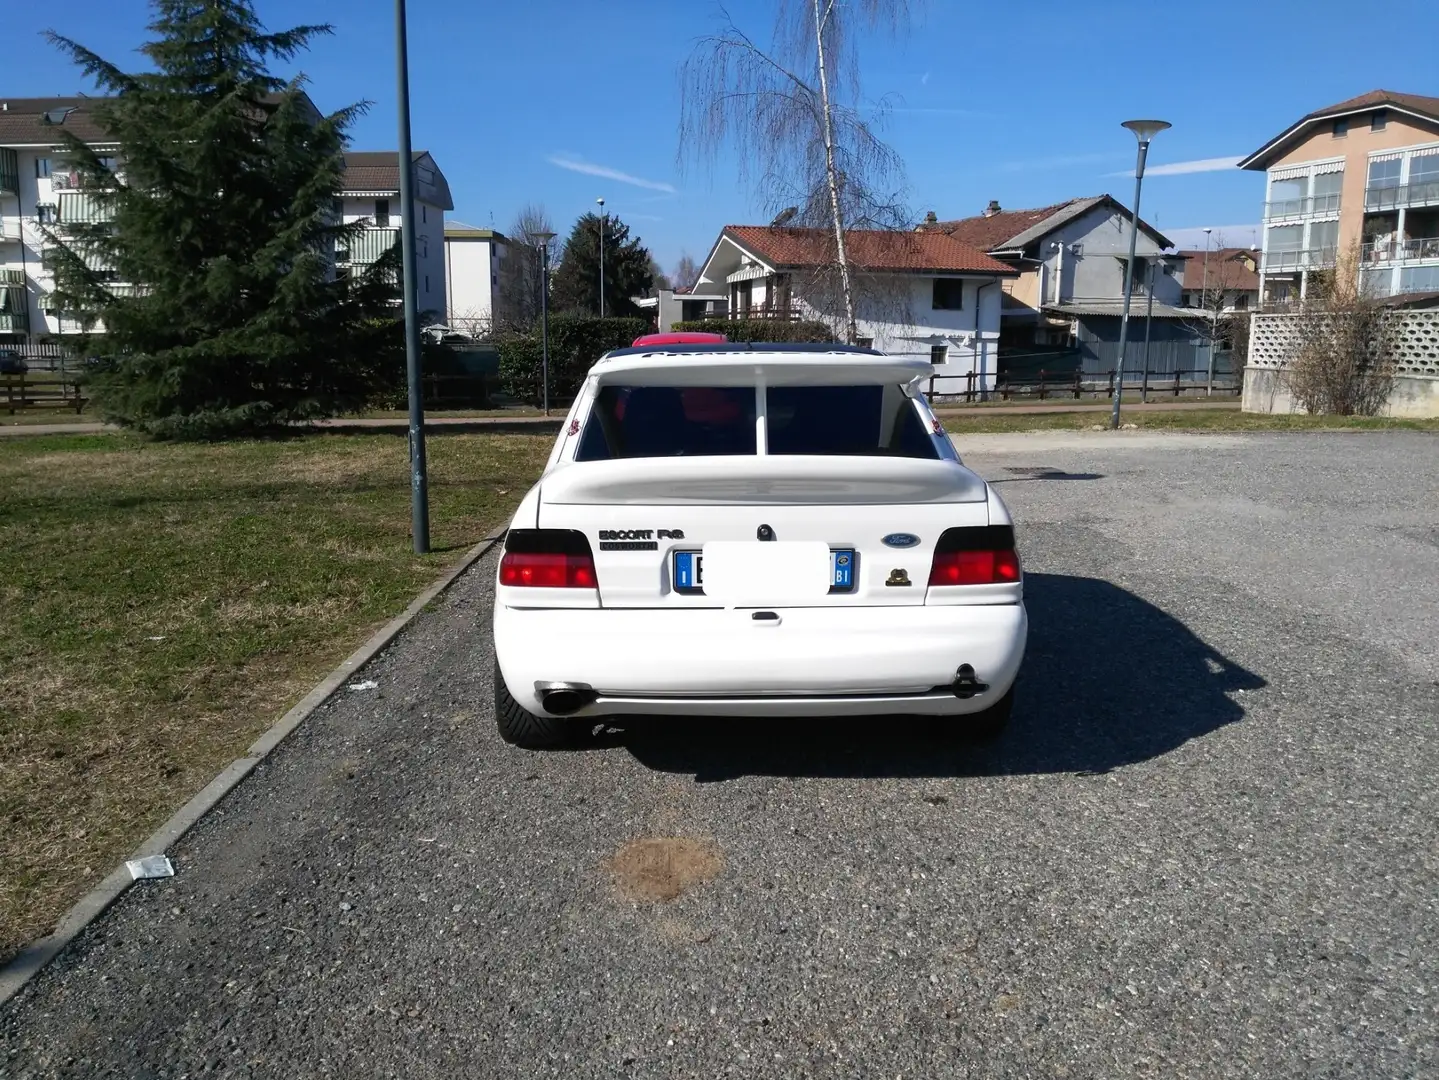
(27, 392)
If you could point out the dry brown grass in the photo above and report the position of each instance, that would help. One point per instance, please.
(160, 606)
(661, 869)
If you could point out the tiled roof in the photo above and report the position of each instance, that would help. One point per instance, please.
(871, 249)
(1010, 230)
(379, 171)
(23, 121)
(990, 232)
(1417, 104)
(1226, 266)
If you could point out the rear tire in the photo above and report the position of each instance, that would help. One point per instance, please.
(990, 723)
(520, 727)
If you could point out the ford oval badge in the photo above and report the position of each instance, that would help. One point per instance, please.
(900, 540)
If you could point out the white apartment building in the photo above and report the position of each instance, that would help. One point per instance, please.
(371, 193)
(474, 276)
(39, 187)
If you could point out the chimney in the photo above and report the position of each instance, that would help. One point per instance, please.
(992, 208)
(931, 218)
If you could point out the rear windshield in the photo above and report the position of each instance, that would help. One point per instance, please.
(667, 421)
(852, 420)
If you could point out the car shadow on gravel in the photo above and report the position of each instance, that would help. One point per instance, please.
(1108, 680)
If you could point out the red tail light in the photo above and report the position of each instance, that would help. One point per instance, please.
(974, 568)
(978, 555)
(547, 559)
(543, 571)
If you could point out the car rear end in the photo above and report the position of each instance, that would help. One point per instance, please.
(784, 534)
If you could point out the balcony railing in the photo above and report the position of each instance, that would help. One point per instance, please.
(1302, 259)
(1392, 198)
(1310, 204)
(1399, 250)
(775, 314)
(74, 181)
(11, 277)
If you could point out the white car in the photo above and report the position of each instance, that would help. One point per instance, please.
(755, 530)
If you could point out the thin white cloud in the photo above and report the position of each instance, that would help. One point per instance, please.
(924, 79)
(937, 111)
(1182, 168)
(589, 168)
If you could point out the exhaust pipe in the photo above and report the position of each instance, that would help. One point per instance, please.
(965, 684)
(563, 699)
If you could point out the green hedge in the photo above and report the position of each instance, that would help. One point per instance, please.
(576, 342)
(762, 329)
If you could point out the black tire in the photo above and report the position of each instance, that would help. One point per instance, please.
(990, 723)
(520, 727)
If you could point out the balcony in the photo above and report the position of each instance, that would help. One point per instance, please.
(368, 246)
(74, 181)
(1299, 259)
(766, 314)
(1392, 198)
(1400, 250)
(1310, 204)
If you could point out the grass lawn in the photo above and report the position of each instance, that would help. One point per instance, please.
(1181, 420)
(161, 605)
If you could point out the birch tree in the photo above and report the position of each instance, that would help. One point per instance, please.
(791, 113)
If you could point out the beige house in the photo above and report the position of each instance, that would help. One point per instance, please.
(1361, 176)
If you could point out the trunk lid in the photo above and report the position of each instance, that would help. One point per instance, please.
(883, 514)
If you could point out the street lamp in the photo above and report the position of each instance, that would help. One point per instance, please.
(544, 238)
(1144, 131)
(419, 481)
(1204, 291)
(601, 201)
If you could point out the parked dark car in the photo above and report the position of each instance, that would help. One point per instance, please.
(11, 363)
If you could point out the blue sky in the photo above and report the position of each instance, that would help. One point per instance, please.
(561, 101)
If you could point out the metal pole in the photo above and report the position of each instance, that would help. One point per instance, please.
(1128, 284)
(545, 322)
(602, 262)
(1204, 291)
(1148, 321)
(419, 485)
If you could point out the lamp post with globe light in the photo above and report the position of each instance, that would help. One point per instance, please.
(1144, 131)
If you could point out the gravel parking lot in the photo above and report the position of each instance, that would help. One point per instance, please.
(1206, 848)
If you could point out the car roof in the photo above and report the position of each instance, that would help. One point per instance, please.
(743, 363)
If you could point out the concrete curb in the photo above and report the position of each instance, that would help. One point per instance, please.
(28, 962)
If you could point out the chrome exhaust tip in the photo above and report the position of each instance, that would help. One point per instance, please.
(563, 699)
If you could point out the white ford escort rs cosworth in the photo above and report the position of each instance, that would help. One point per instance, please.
(755, 530)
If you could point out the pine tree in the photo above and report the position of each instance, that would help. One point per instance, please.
(219, 222)
(575, 285)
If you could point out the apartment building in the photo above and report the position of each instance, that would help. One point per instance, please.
(39, 188)
(1359, 177)
(370, 193)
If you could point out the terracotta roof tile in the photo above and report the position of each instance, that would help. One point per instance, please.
(1427, 107)
(989, 233)
(22, 120)
(870, 249)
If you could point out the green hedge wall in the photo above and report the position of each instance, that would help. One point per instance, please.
(762, 329)
(576, 342)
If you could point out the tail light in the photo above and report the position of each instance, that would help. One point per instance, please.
(983, 555)
(548, 559)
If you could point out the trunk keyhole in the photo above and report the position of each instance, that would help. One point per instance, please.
(764, 532)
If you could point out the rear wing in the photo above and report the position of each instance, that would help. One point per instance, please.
(711, 367)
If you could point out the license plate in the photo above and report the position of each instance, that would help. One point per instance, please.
(689, 571)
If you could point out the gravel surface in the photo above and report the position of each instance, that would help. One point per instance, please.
(1206, 848)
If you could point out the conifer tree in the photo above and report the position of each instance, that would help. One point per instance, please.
(575, 285)
(207, 277)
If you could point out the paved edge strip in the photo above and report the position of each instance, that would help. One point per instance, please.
(30, 960)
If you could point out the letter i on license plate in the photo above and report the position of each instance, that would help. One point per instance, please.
(689, 571)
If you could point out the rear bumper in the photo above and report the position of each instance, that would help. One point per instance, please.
(809, 662)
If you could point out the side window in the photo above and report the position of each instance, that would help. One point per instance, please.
(948, 294)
